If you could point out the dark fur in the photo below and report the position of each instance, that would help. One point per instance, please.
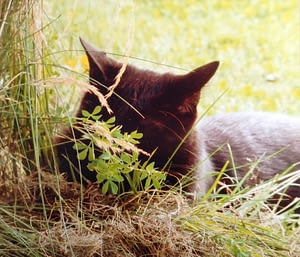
(168, 104)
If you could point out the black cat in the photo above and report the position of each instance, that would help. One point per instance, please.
(168, 104)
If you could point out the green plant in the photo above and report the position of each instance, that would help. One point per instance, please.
(117, 164)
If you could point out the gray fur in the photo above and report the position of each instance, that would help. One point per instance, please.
(274, 139)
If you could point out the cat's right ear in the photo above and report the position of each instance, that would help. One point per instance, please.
(101, 66)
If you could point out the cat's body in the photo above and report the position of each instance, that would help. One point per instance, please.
(268, 143)
(168, 104)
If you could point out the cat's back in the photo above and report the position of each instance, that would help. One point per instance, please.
(247, 137)
(255, 123)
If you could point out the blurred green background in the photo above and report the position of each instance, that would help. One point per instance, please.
(256, 41)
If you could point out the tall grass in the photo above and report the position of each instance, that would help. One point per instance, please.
(25, 127)
(23, 107)
(42, 215)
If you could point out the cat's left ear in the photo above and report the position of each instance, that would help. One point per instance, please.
(184, 90)
(187, 88)
(193, 81)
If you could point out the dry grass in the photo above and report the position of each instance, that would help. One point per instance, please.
(62, 219)
(71, 224)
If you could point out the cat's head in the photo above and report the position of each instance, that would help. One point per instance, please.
(161, 106)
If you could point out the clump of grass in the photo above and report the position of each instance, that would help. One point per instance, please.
(25, 128)
(245, 222)
(152, 223)
(22, 128)
(43, 215)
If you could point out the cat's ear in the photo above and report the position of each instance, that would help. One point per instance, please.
(184, 90)
(194, 81)
(102, 68)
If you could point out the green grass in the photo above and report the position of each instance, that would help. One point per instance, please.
(42, 215)
(256, 42)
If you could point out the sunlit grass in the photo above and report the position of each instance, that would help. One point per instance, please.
(256, 42)
(42, 215)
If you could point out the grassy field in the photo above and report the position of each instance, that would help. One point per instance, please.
(257, 43)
